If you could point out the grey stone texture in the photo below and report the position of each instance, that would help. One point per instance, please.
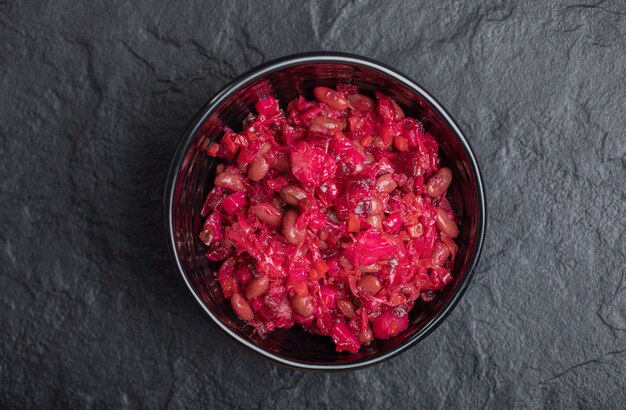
(95, 95)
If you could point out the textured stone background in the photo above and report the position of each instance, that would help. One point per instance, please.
(95, 95)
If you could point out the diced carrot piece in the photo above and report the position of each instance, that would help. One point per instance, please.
(354, 223)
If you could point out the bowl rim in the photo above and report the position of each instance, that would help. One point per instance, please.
(301, 59)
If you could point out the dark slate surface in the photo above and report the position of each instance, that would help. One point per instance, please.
(95, 95)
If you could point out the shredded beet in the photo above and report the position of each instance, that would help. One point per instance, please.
(330, 214)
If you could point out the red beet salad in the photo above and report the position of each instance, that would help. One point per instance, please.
(330, 214)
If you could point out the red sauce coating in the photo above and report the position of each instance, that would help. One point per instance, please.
(330, 214)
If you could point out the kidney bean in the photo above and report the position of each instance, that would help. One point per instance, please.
(257, 286)
(346, 308)
(292, 234)
(258, 168)
(303, 306)
(445, 224)
(241, 307)
(366, 336)
(441, 252)
(267, 213)
(345, 263)
(361, 102)
(369, 284)
(324, 124)
(331, 98)
(439, 183)
(453, 247)
(293, 195)
(373, 268)
(380, 144)
(230, 180)
(385, 183)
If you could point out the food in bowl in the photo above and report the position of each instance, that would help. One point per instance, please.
(330, 214)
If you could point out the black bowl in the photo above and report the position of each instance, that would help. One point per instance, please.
(191, 174)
